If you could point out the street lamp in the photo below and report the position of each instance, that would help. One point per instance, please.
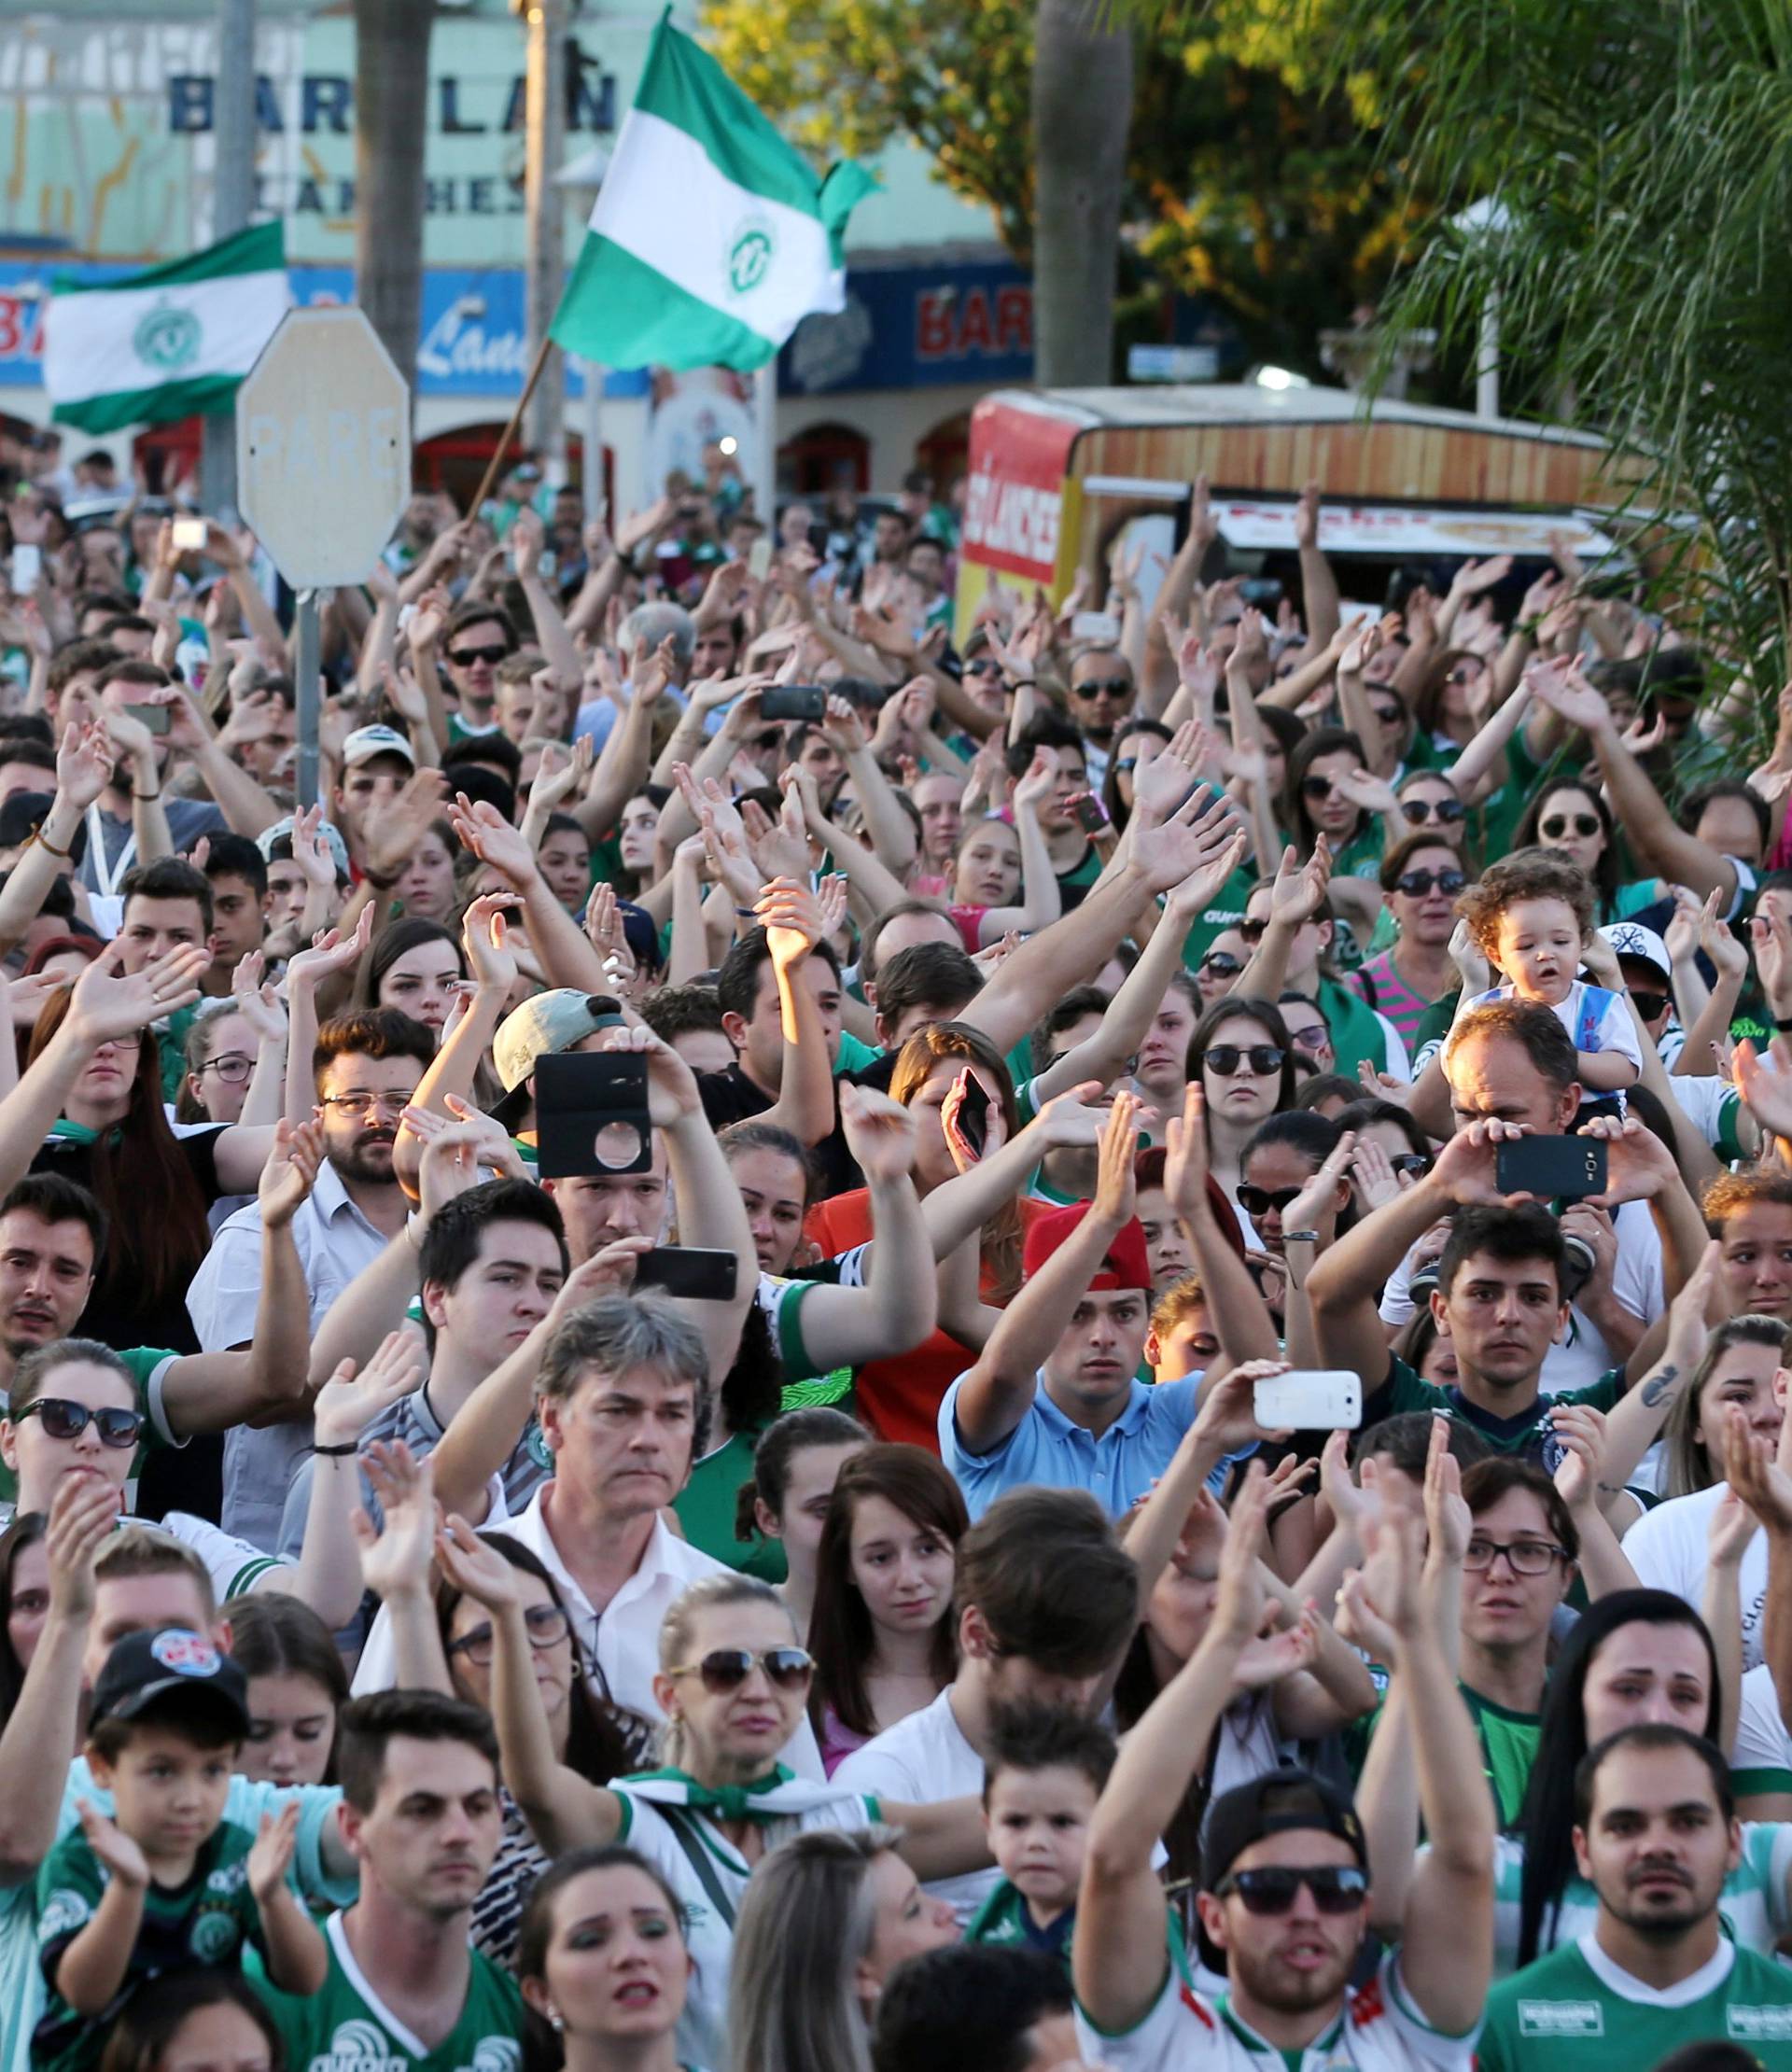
(1485, 220)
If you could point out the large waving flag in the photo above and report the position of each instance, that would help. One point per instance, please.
(162, 344)
(711, 239)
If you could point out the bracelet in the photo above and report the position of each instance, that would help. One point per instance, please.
(1300, 1237)
(1784, 1028)
(155, 794)
(43, 841)
(337, 1452)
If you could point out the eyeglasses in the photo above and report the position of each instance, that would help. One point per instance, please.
(984, 666)
(1417, 884)
(1336, 1887)
(1523, 1557)
(1259, 1201)
(64, 1419)
(1558, 824)
(1317, 787)
(547, 1624)
(1222, 964)
(1418, 811)
(1647, 1004)
(1112, 687)
(1260, 1059)
(1315, 1037)
(1465, 673)
(1414, 1162)
(725, 1668)
(464, 658)
(355, 1105)
(232, 1069)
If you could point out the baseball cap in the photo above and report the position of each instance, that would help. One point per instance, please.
(1632, 939)
(144, 1667)
(1124, 1264)
(547, 1024)
(1274, 1803)
(329, 836)
(365, 743)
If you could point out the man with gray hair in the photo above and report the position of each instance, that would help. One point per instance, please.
(639, 635)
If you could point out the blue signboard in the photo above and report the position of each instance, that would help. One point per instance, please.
(917, 326)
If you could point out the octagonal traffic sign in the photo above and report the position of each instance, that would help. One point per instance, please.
(323, 447)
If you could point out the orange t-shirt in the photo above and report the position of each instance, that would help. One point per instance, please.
(900, 1398)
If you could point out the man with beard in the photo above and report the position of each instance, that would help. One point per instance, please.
(367, 1067)
(1656, 1835)
(1285, 1872)
(421, 1814)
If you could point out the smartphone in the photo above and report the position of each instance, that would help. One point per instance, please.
(793, 701)
(1095, 625)
(154, 717)
(591, 1113)
(190, 533)
(1264, 591)
(973, 1113)
(686, 1270)
(1090, 816)
(759, 559)
(1550, 1166)
(1320, 1399)
(27, 566)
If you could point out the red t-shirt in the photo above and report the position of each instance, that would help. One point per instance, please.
(900, 1398)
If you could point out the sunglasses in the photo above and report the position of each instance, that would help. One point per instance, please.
(1418, 883)
(1112, 687)
(1222, 964)
(984, 665)
(1260, 1059)
(726, 1669)
(1418, 811)
(1558, 824)
(547, 1625)
(464, 658)
(1317, 787)
(1259, 1201)
(1414, 1162)
(1336, 1887)
(1312, 1040)
(1647, 1004)
(64, 1419)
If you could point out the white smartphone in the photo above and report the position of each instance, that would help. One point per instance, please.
(1095, 625)
(26, 567)
(759, 560)
(190, 534)
(1315, 1400)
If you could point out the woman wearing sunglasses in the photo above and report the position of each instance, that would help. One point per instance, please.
(1244, 1062)
(1571, 817)
(1420, 879)
(72, 1409)
(1220, 965)
(732, 1684)
(1318, 804)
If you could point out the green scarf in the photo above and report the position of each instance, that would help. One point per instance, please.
(779, 1796)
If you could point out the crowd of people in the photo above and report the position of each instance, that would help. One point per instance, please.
(852, 1576)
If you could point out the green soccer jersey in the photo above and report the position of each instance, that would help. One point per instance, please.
(1575, 2010)
(346, 2027)
(1529, 1432)
(1508, 1748)
(205, 1920)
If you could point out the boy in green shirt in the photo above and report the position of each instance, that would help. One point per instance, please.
(167, 1883)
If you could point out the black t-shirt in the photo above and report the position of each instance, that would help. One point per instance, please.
(730, 1097)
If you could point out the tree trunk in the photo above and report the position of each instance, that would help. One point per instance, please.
(1082, 110)
(391, 120)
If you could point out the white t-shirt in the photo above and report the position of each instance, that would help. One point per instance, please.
(1594, 1020)
(1582, 1355)
(1761, 1760)
(917, 1762)
(1668, 1548)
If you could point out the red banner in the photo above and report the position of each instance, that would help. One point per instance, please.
(1013, 498)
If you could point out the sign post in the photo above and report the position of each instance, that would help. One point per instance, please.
(323, 470)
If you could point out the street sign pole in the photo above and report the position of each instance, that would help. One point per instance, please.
(308, 688)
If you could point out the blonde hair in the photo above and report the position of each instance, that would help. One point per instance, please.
(678, 1631)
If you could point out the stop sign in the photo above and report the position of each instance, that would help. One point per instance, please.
(323, 447)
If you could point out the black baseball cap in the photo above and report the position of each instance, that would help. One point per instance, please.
(144, 1669)
(1275, 1803)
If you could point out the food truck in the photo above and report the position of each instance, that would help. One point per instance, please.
(1056, 475)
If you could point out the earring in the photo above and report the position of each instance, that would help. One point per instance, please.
(556, 2021)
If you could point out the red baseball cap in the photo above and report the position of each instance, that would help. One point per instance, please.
(1124, 1265)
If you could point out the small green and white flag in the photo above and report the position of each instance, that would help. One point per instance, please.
(165, 344)
(711, 239)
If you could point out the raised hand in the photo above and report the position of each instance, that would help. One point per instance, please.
(331, 951)
(491, 837)
(83, 765)
(1580, 1430)
(83, 1514)
(350, 1400)
(291, 1173)
(113, 1849)
(482, 930)
(1298, 892)
(270, 1852)
(476, 1570)
(1116, 1190)
(1186, 1159)
(672, 1092)
(791, 918)
(563, 774)
(880, 1134)
(393, 834)
(108, 1004)
(395, 1561)
(256, 999)
(1638, 1165)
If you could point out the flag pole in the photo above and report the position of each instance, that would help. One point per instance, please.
(509, 432)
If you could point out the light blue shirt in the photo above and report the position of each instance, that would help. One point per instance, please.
(21, 1978)
(1045, 1449)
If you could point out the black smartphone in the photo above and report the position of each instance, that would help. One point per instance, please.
(591, 1113)
(686, 1270)
(154, 717)
(1090, 816)
(973, 1113)
(793, 701)
(1550, 1166)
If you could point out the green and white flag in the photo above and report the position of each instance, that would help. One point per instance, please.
(711, 239)
(165, 344)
